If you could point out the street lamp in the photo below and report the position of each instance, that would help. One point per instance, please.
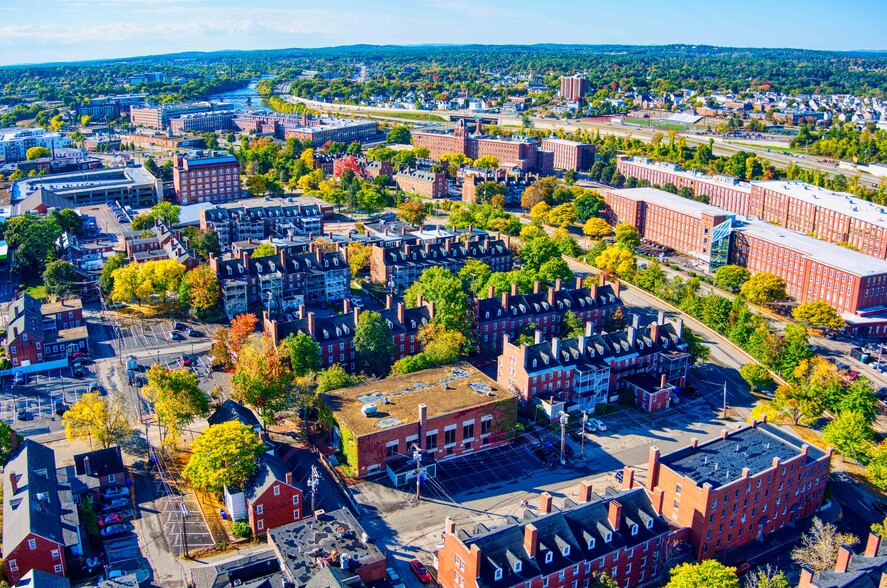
(582, 439)
(564, 418)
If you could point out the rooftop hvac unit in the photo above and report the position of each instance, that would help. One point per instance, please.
(369, 410)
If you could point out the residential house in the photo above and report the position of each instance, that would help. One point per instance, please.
(38, 333)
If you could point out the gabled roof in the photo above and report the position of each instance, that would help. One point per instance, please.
(270, 471)
(233, 411)
(251, 569)
(40, 579)
(45, 197)
(100, 462)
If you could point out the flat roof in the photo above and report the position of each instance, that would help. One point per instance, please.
(673, 168)
(720, 461)
(823, 252)
(563, 142)
(443, 390)
(73, 182)
(841, 202)
(672, 201)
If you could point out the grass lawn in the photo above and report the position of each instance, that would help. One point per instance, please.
(646, 122)
(36, 289)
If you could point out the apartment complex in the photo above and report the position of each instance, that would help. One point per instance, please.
(443, 412)
(206, 176)
(158, 116)
(570, 155)
(258, 220)
(130, 186)
(37, 333)
(319, 131)
(14, 143)
(107, 107)
(573, 88)
(203, 122)
(741, 486)
(427, 184)
(511, 313)
(580, 373)
(622, 535)
(398, 267)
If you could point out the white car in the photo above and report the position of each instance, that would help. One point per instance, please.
(598, 423)
(590, 427)
(394, 578)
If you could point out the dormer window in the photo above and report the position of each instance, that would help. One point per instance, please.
(566, 550)
(640, 344)
(517, 567)
(487, 315)
(549, 557)
(608, 537)
(591, 543)
(665, 343)
(650, 523)
(497, 575)
(634, 530)
(534, 363)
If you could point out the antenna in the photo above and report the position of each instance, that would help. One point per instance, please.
(313, 483)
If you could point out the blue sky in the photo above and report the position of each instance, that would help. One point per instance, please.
(34, 31)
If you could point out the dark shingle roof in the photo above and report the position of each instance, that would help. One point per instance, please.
(232, 411)
(252, 570)
(40, 579)
(271, 470)
(101, 462)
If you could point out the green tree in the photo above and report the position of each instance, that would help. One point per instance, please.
(588, 205)
(698, 351)
(199, 290)
(223, 455)
(373, 344)
(819, 313)
(566, 243)
(106, 280)
(262, 379)
(731, 277)
(860, 398)
(450, 303)
(166, 212)
(763, 288)
(475, 274)
(413, 212)
(61, 279)
(400, 134)
(37, 153)
(335, 378)
(539, 251)
(177, 399)
(263, 250)
(767, 577)
(795, 348)
(572, 325)
(304, 353)
(850, 433)
(5, 442)
(142, 222)
(756, 375)
(651, 278)
(540, 212)
(257, 185)
(563, 215)
(876, 472)
(359, 255)
(628, 236)
(706, 574)
(555, 269)
(204, 242)
(487, 162)
(597, 228)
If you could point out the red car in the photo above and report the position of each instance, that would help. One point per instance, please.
(111, 519)
(421, 571)
(852, 375)
(742, 567)
(186, 360)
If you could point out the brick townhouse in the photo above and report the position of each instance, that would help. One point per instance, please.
(427, 184)
(511, 312)
(160, 243)
(100, 469)
(444, 412)
(282, 218)
(514, 186)
(741, 486)
(582, 372)
(269, 499)
(621, 534)
(36, 333)
(206, 176)
(399, 267)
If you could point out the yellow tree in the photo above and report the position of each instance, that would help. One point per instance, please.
(199, 290)
(223, 455)
(99, 418)
(177, 399)
(359, 257)
(597, 228)
(616, 261)
(262, 379)
(540, 212)
(129, 285)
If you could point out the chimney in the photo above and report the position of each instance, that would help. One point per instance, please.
(449, 526)
(544, 503)
(806, 580)
(632, 336)
(583, 344)
(636, 321)
(319, 255)
(13, 440)
(555, 347)
(694, 442)
(423, 419)
(289, 478)
(653, 468)
(13, 481)
(617, 287)
(311, 323)
(614, 516)
(537, 286)
(282, 257)
(873, 545)
(448, 245)
(601, 280)
(301, 311)
(550, 295)
(658, 500)
(477, 127)
(430, 305)
(585, 491)
(843, 559)
(660, 318)
(627, 478)
(514, 289)
(531, 540)
(654, 332)
(679, 327)
(86, 469)
(346, 306)
(419, 300)
(356, 316)
(578, 283)
(491, 291)
(558, 283)
(537, 336)
(505, 296)
(401, 313)
(589, 329)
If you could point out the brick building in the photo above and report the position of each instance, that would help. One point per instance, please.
(427, 184)
(269, 499)
(40, 520)
(511, 312)
(160, 243)
(570, 155)
(206, 176)
(159, 116)
(319, 131)
(258, 220)
(514, 186)
(37, 333)
(398, 267)
(573, 88)
(99, 470)
(582, 372)
(621, 534)
(747, 483)
(203, 122)
(852, 570)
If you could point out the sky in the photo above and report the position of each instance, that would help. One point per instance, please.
(38, 31)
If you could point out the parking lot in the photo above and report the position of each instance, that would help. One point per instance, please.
(35, 403)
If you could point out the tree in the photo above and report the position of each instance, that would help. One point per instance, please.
(177, 399)
(99, 418)
(166, 212)
(242, 327)
(588, 204)
(876, 469)
(767, 577)
(256, 185)
(400, 134)
(371, 200)
(731, 277)
(597, 228)
(651, 278)
(263, 250)
(204, 242)
(628, 236)
(562, 215)
(373, 344)
(820, 545)
(223, 455)
(539, 251)
(129, 285)
(572, 325)
(37, 153)
(106, 279)
(199, 290)
(756, 375)
(859, 397)
(142, 222)
(85, 120)
(359, 256)
(445, 289)
(6, 445)
(475, 274)
(60, 279)
(220, 353)
(566, 243)
(616, 261)
(819, 313)
(540, 212)
(262, 379)
(304, 353)
(849, 433)
(698, 351)
(706, 574)
(487, 162)
(555, 269)
(413, 212)
(490, 192)
(763, 287)
(335, 378)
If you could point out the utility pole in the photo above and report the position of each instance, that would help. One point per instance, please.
(725, 399)
(417, 455)
(184, 511)
(313, 482)
(582, 440)
(563, 418)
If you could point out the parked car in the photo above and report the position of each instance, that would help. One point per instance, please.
(193, 333)
(576, 436)
(115, 504)
(19, 378)
(420, 570)
(394, 578)
(115, 518)
(742, 567)
(852, 375)
(186, 360)
(23, 415)
(112, 493)
(544, 453)
(598, 423)
(179, 326)
(61, 408)
(78, 370)
(176, 336)
(112, 530)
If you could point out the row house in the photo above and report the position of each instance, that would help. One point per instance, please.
(622, 535)
(514, 186)
(512, 313)
(427, 184)
(36, 333)
(285, 219)
(280, 282)
(398, 267)
(580, 373)
(162, 242)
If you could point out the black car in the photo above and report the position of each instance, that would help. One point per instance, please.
(23, 415)
(576, 436)
(61, 408)
(180, 326)
(545, 454)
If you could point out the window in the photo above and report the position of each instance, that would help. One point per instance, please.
(608, 537)
(277, 490)
(591, 543)
(391, 448)
(486, 426)
(561, 575)
(111, 478)
(498, 574)
(650, 523)
(431, 441)
(296, 499)
(449, 436)
(260, 509)
(32, 544)
(549, 557)
(517, 567)
(55, 553)
(634, 530)
(13, 565)
(468, 431)
(260, 525)
(566, 550)
(57, 568)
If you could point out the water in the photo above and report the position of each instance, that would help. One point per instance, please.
(244, 98)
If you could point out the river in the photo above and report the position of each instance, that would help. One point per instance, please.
(244, 98)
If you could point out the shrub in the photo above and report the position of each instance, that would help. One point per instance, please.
(241, 529)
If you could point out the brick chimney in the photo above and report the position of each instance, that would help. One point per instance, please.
(614, 515)
(356, 315)
(544, 503)
(589, 329)
(537, 286)
(346, 306)
(663, 381)
(531, 540)
(654, 332)
(872, 545)
(537, 336)
(491, 291)
(555, 347)
(592, 291)
(289, 478)
(578, 283)
(550, 295)
(627, 478)
(514, 289)
(806, 580)
(478, 127)
(844, 555)
(312, 323)
(583, 344)
(653, 468)
(694, 442)
(601, 280)
(636, 321)
(301, 311)
(632, 336)
(660, 318)
(617, 287)
(585, 491)
(389, 300)
(401, 313)
(505, 296)
(679, 328)
(449, 526)
(13, 481)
